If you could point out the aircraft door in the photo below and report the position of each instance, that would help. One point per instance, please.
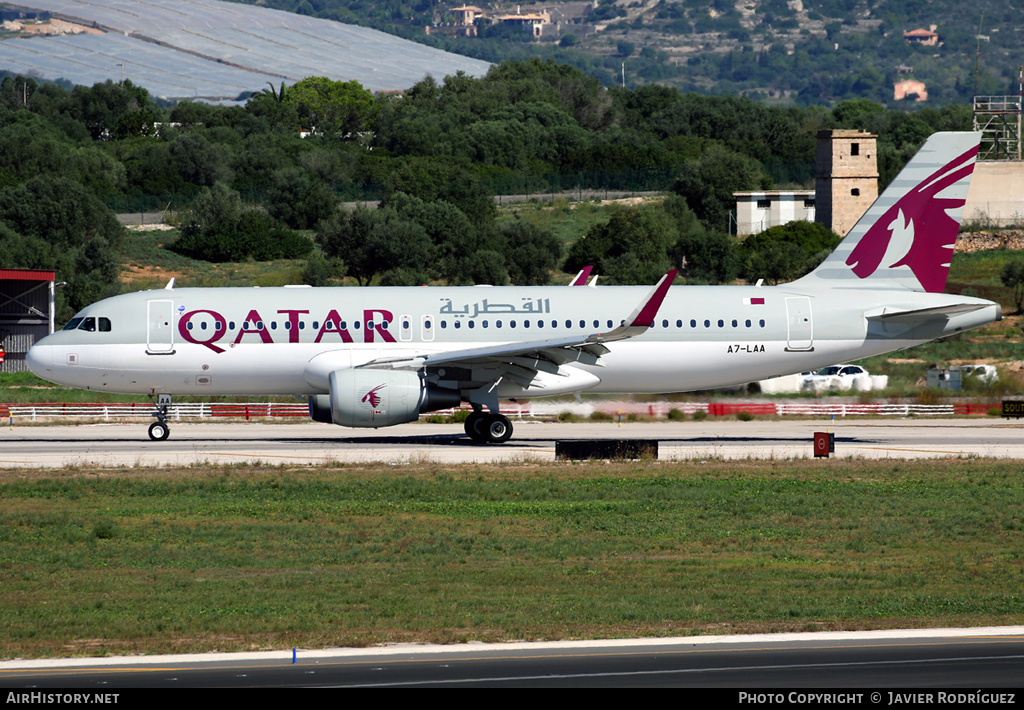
(159, 327)
(800, 325)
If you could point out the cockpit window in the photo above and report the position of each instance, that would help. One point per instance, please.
(73, 324)
(104, 325)
(88, 324)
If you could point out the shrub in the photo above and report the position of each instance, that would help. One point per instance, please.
(252, 236)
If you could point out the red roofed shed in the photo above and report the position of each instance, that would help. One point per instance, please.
(26, 313)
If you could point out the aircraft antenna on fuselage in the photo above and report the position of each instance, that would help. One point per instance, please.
(170, 285)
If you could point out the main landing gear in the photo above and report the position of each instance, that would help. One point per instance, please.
(158, 430)
(488, 428)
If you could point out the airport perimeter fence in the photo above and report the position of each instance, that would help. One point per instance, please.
(271, 410)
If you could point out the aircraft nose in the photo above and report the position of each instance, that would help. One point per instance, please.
(39, 359)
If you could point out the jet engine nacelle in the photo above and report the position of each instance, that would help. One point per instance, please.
(378, 398)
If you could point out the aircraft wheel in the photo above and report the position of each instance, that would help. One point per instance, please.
(475, 426)
(499, 429)
(158, 431)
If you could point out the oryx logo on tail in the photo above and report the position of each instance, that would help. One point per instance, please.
(918, 231)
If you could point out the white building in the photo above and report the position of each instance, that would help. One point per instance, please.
(757, 211)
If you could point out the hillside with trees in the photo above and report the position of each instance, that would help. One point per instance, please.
(801, 52)
(269, 179)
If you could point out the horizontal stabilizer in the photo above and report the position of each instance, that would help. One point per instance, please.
(899, 315)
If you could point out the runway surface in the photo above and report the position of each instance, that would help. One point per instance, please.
(869, 661)
(127, 444)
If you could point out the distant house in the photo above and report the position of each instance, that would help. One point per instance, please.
(922, 36)
(910, 87)
(531, 22)
(467, 14)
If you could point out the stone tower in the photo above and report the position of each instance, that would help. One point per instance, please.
(846, 178)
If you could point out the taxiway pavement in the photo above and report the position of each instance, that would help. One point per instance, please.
(127, 444)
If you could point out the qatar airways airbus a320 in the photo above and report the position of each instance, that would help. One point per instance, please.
(375, 357)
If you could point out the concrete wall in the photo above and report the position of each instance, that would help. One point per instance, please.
(996, 197)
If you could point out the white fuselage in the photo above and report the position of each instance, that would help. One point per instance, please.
(259, 341)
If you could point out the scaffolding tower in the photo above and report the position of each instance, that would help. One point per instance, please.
(999, 120)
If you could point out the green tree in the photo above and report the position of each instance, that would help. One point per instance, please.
(708, 183)
(198, 160)
(454, 237)
(786, 252)
(329, 108)
(54, 223)
(632, 248)
(373, 242)
(531, 253)
(1012, 277)
(321, 271)
(299, 200)
(253, 235)
(103, 107)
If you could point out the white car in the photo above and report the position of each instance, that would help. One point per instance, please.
(981, 373)
(838, 377)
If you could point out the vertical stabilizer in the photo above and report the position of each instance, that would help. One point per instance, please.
(906, 238)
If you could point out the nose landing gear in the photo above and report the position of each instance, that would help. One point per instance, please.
(158, 430)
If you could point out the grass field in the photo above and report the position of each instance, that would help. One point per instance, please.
(239, 558)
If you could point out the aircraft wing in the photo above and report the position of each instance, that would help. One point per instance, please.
(520, 360)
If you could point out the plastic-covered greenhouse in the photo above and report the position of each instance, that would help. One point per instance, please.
(216, 50)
